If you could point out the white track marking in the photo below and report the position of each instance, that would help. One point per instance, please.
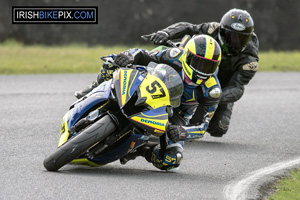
(237, 190)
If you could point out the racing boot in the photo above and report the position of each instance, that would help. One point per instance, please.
(85, 91)
(144, 151)
(106, 73)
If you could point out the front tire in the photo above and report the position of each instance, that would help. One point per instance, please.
(80, 143)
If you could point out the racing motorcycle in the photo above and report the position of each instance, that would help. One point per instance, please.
(118, 116)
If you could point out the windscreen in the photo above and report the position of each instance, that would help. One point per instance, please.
(171, 79)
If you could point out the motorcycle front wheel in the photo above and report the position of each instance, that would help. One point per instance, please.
(79, 144)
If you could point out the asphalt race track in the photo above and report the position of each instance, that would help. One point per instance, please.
(264, 131)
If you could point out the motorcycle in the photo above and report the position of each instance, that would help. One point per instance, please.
(118, 116)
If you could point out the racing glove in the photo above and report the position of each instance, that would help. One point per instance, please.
(176, 133)
(123, 59)
(160, 37)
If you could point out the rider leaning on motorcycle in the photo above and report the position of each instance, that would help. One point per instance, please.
(197, 63)
(239, 59)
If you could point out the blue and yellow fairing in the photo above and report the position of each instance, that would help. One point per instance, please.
(82, 107)
(152, 93)
(126, 81)
(153, 121)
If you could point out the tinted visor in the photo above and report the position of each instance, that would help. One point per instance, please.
(200, 65)
(234, 41)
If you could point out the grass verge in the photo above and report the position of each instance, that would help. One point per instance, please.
(16, 58)
(287, 188)
(279, 61)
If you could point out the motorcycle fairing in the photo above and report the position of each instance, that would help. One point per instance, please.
(126, 81)
(80, 107)
(153, 121)
(133, 142)
(64, 130)
(153, 92)
(84, 161)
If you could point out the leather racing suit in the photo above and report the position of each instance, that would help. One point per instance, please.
(235, 71)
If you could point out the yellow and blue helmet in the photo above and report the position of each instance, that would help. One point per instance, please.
(201, 58)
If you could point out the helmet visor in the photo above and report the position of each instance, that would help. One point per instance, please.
(235, 41)
(201, 66)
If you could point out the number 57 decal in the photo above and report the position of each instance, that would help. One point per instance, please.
(154, 86)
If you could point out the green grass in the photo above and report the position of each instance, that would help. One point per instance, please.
(16, 58)
(279, 61)
(287, 188)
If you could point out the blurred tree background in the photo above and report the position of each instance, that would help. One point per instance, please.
(124, 21)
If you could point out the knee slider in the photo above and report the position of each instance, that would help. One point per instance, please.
(219, 128)
(223, 124)
(173, 155)
(171, 158)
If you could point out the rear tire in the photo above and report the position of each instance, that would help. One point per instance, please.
(80, 143)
